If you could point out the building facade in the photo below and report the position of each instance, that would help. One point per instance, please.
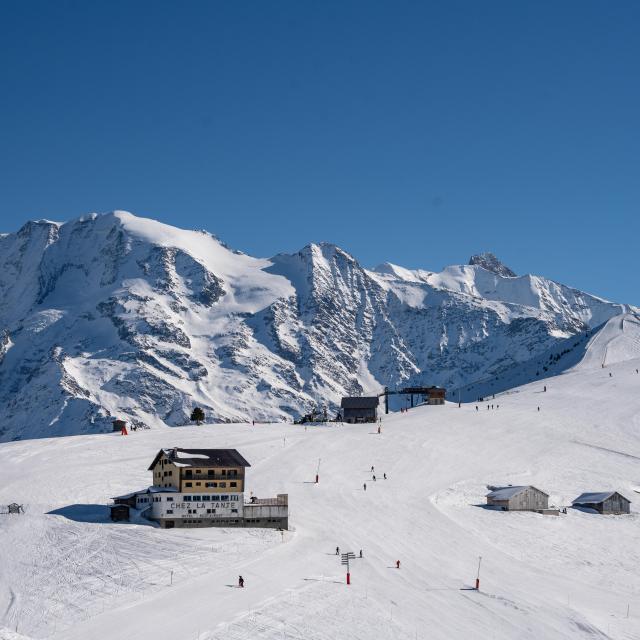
(605, 502)
(436, 395)
(203, 488)
(360, 409)
(520, 498)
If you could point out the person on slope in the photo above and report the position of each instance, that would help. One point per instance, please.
(361, 553)
(384, 475)
(337, 551)
(397, 564)
(364, 486)
(240, 581)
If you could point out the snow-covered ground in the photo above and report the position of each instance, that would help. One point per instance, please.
(73, 576)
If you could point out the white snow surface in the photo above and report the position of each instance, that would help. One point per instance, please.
(72, 575)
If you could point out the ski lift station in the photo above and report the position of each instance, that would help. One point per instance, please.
(204, 488)
(605, 502)
(360, 409)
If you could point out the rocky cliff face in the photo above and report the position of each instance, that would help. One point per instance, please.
(115, 315)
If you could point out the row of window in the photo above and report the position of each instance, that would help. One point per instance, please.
(211, 472)
(210, 485)
(200, 521)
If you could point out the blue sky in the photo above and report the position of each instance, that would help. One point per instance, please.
(410, 132)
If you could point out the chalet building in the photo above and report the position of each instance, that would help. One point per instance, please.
(521, 498)
(360, 409)
(436, 395)
(606, 502)
(204, 488)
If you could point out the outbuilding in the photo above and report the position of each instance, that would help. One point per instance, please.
(604, 502)
(436, 395)
(360, 409)
(119, 512)
(518, 498)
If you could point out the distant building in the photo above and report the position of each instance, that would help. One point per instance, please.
(606, 502)
(519, 498)
(119, 425)
(204, 488)
(436, 395)
(360, 409)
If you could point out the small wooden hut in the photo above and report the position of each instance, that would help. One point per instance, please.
(605, 502)
(518, 498)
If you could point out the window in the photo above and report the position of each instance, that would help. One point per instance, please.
(170, 473)
(197, 498)
(187, 498)
(188, 484)
(234, 498)
(223, 485)
(223, 498)
(210, 472)
(206, 498)
(169, 499)
(169, 511)
(209, 510)
(224, 472)
(233, 484)
(215, 498)
(198, 484)
(234, 511)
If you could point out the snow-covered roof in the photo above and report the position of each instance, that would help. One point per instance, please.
(505, 493)
(594, 497)
(202, 458)
(151, 489)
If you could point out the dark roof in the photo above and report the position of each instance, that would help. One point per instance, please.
(364, 402)
(596, 498)
(202, 458)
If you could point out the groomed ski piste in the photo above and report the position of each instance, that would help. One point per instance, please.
(74, 575)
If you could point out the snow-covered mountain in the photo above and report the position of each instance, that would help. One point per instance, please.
(115, 315)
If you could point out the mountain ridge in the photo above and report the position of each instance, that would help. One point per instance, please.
(115, 315)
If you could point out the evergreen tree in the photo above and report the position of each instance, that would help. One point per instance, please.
(197, 415)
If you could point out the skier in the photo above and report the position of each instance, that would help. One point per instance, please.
(240, 581)
(372, 469)
(337, 551)
(361, 553)
(538, 408)
(384, 475)
(365, 486)
(378, 430)
(610, 374)
(374, 478)
(476, 407)
(397, 564)
(545, 388)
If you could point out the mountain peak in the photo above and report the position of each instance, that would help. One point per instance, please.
(489, 262)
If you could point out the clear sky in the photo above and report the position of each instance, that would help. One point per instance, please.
(410, 132)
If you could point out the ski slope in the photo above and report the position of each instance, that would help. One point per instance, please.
(73, 575)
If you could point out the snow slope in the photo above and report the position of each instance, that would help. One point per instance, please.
(118, 316)
(71, 575)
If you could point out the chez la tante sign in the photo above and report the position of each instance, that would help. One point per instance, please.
(202, 507)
